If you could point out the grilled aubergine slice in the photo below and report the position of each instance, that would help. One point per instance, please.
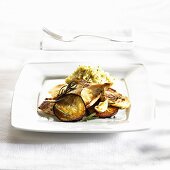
(69, 107)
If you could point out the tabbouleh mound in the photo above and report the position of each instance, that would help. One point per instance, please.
(90, 74)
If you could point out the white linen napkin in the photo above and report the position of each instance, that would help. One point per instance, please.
(88, 43)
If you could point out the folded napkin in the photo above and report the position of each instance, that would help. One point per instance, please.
(88, 43)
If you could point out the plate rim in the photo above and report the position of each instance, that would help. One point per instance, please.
(145, 127)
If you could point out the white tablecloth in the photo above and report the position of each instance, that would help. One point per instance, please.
(150, 149)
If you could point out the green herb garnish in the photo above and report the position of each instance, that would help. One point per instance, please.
(89, 117)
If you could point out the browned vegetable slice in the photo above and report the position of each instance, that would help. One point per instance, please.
(111, 111)
(102, 106)
(92, 93)
(69, 108)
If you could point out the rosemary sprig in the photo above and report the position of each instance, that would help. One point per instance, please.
(63, 91)
(66, 89)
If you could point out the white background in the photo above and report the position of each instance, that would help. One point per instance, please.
(20, 33)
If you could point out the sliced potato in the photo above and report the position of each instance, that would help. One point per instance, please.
(102, 106)
(78, 89)
(92, 93)
(108, 113)
(111, 111)
(69, 108)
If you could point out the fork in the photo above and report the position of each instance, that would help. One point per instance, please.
(65, 39)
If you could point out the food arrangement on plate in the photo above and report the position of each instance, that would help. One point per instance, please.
(86, 94)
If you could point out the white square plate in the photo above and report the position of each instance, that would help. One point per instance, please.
(37, 78)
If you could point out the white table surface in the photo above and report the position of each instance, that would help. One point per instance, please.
(19, 44)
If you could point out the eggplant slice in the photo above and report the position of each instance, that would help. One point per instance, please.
(69, 108)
